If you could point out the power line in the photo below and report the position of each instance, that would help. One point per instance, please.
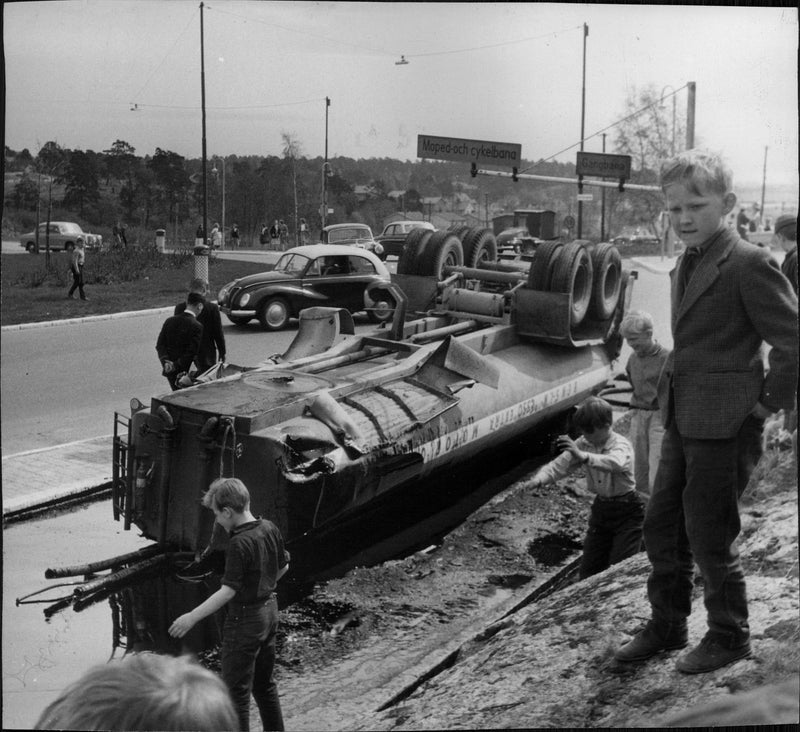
(613, 124)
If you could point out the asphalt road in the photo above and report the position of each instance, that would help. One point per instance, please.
(63, 383)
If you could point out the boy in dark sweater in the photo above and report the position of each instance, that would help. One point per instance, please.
(254, 562)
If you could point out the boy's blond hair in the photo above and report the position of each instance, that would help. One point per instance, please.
(636, 322)
(700, 171)
(227, 493)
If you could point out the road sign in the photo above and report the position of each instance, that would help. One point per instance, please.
(569, 222)
(603, 165)
(469, 151)
(585, 197)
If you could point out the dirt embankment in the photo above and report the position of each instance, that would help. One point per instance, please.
(490, 630)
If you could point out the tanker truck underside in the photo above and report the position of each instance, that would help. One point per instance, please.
(341, 422)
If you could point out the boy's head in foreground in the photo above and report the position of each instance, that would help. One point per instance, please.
(698, 188)
(228, 498)
(594, 417)
(637, 329)
(144, 691)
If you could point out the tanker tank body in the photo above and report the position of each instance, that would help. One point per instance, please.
(329, 431)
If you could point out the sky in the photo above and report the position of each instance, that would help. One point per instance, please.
(88, 72)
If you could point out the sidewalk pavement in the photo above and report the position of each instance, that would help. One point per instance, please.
(50, 475)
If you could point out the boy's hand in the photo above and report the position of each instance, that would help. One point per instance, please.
(182, 625)
(565, 442)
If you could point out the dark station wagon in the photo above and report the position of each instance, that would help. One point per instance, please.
(328, 275)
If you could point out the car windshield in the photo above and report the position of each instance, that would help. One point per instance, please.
(345, 234)
(71, 229)
(293, 264)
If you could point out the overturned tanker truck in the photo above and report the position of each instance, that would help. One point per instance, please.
(490, 351)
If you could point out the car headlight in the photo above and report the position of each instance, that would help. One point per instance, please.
(244, 299)
(378, 248)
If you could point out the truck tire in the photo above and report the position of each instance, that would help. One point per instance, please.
(416, 241)
(443, 250)
(479, 246)
(462, 232)
(607, 276)
(541, 270)
(572, 273)
(273, 313)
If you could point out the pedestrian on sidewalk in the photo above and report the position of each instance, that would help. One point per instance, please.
(212, 340)
(728, 298)
(76, 264)
(275, 235)
(255, 560)
(235, 236)
(615, 522)
(643, 371)
(179, 341)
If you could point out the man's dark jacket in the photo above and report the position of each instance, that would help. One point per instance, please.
(212, 340)
(179, 341)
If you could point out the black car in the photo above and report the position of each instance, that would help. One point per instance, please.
(315, 275)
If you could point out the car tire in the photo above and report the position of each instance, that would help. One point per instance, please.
(383, 308)
(69, 246)
(415, 244)
(273, 313)
(443, 250)
(607, 281)
(572, 273)
(541, 270)
(30, 247)
(239, 319)
(480, 245)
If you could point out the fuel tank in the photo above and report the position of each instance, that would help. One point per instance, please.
(346, 421)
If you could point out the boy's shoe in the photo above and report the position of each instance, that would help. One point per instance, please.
(713, 652)
(653, 639)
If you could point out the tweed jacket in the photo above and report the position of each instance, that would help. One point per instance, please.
(736, 300)
(179, 340)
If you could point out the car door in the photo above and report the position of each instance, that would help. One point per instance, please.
(341, 286)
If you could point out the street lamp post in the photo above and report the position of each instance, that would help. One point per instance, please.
(326, 171)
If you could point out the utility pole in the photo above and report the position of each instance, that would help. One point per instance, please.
(764, 184)
(690, 102)
(583, 120)
(203, 104)
(325, 168)
(603, 203)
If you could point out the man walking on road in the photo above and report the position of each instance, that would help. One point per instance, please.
(76, 267)
(179, 341)
(213, 340)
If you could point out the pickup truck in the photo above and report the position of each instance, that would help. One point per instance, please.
(393, 236)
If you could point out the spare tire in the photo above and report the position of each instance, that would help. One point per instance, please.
(415, 244)
(607, 275)
(572, 273)
(479, 246)
(541, 270)
(443, 249)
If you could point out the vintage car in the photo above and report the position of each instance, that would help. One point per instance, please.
(332, 275)
(63, 235)
(354, 235)
(393, 236)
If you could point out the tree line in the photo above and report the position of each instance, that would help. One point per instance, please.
(164, 189)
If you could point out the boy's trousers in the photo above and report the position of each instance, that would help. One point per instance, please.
(248, 661)
(693, 514)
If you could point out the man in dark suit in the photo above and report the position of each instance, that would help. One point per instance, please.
(213, 339)
(179, 341)
(729, 297)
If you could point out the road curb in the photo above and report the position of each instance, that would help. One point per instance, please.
(88, 319)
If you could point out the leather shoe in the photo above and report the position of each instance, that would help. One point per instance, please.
(713, 652)
(653, 639)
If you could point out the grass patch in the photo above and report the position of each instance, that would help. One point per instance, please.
(115, 281)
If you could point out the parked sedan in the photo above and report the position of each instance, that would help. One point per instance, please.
(330, 275)
(393, 236)
(354, 235)
(63, 235)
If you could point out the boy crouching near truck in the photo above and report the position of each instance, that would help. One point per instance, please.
(615, 522)
(254, 562)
